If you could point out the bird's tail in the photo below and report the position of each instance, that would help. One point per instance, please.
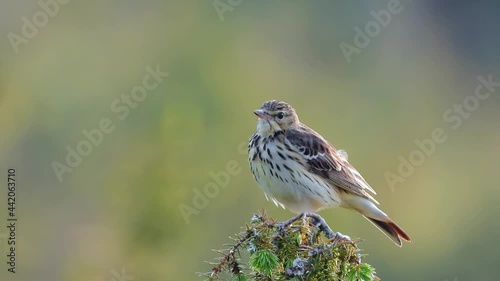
(377, 218)
(391, 230)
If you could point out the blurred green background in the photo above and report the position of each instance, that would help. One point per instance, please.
(119, 210)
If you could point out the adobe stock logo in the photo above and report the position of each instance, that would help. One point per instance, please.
(201, 196)
(455, 116)
(30, 28)
(121, 276)
(223, 6)
(372, 29)
(121, 109)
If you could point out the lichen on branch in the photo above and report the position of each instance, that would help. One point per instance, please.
(302, 248)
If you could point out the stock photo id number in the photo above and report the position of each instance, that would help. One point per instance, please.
(12, 219)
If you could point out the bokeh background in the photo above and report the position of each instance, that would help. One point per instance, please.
(119, 210)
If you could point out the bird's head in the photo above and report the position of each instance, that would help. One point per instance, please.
(276, 116)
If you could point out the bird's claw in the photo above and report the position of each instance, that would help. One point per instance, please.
(341, 238)
(281, 226)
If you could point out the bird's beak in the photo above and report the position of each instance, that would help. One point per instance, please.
(262, 114)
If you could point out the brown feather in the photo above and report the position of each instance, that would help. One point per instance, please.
(324, 160)
(391, 230)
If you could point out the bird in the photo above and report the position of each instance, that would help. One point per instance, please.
(301, 171)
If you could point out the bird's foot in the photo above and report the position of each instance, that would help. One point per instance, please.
(319, 224)
(304, 219)
(285, 224)
(316, 220)
(340, 238)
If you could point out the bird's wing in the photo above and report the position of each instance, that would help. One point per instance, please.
(320, 155)
(324, 161)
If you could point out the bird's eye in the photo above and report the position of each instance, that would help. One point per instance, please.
(281, 115)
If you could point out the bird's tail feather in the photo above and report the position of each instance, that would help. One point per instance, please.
(391, 230)
(378, 218)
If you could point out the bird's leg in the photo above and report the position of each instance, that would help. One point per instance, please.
(314, 231)
(304, 217)
(283, 225)
(319, 222)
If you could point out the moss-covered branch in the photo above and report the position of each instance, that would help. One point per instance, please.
(302, 248)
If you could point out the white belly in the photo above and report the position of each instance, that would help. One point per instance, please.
(292, 189)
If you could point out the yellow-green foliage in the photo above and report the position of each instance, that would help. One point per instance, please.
(289, 252)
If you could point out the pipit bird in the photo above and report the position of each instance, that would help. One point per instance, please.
(301, 171)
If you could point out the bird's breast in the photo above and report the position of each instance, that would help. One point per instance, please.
(286, 181)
